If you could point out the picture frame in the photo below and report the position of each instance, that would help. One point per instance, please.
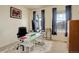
(15, 13)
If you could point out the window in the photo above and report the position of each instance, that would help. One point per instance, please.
(39, 22)
(61, 19)
(38, 19)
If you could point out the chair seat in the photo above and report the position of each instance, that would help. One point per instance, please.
(23, 37)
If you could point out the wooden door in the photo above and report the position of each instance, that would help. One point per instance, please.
(74, 36)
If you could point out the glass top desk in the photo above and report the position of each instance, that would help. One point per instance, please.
(31, 37)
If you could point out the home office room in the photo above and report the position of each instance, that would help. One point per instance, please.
(39, 28)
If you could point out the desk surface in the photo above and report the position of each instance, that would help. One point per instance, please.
(31, 37)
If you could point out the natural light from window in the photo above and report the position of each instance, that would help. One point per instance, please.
(61, 19)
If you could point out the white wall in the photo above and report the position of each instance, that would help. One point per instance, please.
(30, 19)
(9, 26)
(75, 12)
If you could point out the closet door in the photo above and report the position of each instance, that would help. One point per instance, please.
(74, 36)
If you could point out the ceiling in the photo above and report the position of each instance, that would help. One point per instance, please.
(35, 6)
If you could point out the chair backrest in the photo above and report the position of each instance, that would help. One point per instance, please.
(21, 31)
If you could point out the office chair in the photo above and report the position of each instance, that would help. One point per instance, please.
(21, 36)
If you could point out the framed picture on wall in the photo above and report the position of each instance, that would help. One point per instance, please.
(15, 13)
